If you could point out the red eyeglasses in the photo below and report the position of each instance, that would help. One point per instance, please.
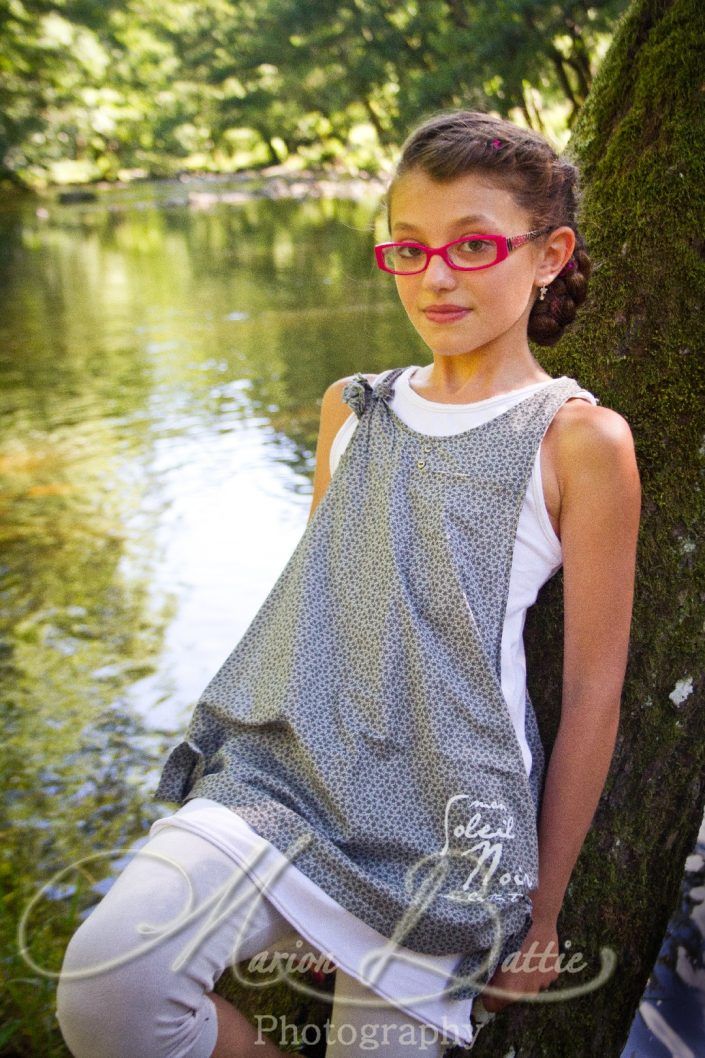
(469, 254)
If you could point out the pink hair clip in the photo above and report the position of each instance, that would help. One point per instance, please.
(497, 145)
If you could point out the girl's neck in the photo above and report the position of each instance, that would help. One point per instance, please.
(447, 382)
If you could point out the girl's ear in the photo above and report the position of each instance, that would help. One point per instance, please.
(554, 256)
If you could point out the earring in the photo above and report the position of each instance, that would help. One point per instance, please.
(542, 293)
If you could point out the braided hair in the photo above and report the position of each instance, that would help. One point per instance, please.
(453, 142)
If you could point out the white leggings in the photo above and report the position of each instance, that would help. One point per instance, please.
(140, 986)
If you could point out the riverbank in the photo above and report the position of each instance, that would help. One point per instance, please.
(202, 190)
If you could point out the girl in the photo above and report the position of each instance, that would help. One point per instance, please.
(365, 769)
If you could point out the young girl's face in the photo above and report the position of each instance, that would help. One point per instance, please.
(497, 300)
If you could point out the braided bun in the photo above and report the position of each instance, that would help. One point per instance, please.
(549, 318)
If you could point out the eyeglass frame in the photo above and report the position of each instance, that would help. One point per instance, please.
(505, 244)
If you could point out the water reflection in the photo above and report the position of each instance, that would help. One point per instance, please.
(160, 373)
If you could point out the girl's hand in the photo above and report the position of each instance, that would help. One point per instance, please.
(528, 978)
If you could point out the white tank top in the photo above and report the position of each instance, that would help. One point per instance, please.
(537, 551)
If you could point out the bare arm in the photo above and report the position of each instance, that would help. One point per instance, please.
(599, 524)
(334, 412)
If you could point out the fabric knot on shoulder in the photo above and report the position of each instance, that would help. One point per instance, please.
(357, 393)
(385, 388)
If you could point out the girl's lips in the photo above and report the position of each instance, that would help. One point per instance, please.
(446, 315)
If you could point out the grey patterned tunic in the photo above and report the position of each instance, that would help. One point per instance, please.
(359, 724)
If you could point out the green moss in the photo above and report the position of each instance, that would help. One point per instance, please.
(639, 345)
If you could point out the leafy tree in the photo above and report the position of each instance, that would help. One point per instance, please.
(49, 55)
(158, 84)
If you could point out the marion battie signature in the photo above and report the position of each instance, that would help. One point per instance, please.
(238, 893)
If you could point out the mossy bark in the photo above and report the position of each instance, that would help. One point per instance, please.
(639, 345)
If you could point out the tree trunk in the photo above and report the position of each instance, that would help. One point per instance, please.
(639, 345)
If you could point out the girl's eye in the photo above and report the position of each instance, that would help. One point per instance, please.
(473, 253)
(410, 251)
(474, 246)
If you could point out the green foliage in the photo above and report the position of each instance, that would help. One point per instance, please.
(94, 89)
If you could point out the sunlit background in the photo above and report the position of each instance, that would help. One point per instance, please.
(166, 334)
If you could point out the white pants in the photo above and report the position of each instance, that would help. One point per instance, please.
(133, 982)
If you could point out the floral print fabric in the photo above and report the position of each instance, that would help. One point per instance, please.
(359, 724)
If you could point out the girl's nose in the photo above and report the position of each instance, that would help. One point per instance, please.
(438, 274)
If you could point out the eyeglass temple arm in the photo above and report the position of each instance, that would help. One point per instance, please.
(519, 240)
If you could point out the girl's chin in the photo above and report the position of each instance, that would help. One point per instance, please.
(462, 337)
(451, 339)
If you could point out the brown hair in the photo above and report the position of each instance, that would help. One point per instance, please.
(453, 142)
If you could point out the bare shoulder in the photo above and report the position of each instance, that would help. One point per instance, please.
(334, 412)
(593, 452)
(334, 392)
(335, 389)
(591, 433)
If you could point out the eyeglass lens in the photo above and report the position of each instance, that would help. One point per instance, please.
(470, 253)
